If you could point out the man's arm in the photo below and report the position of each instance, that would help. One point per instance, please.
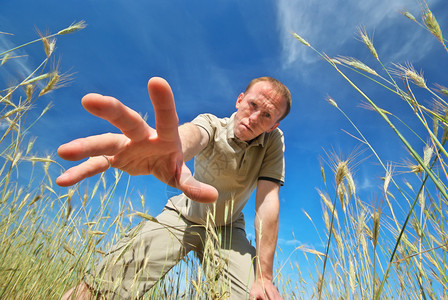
(194, 139)
(140, 149)
(266, 230)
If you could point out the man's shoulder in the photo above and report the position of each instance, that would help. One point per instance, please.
(211, 120)
(213, 117)
(277, 133)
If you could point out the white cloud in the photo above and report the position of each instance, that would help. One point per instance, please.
(3, 125)
(331, 24)
(18, 67)
(292, 242)
(365, 184)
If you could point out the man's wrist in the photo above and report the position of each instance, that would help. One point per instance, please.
(264, 277)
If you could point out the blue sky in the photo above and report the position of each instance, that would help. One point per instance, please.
(209, 51)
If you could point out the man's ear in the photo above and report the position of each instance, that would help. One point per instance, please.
(273, 127)
(238, 100)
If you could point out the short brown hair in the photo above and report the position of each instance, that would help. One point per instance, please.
(279, 87)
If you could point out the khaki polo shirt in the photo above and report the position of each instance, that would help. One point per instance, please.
(233, 167)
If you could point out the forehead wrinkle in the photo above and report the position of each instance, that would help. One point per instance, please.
(269, 96)
(272, 103)
(273, 94)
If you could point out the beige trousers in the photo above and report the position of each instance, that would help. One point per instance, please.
(139, 260)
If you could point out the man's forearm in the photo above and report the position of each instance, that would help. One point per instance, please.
(193, 139)
(266, 243)
(266, 230)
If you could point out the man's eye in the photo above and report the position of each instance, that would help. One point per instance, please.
(253, 104)
(267, 115)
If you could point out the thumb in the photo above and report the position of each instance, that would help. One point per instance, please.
(194, 189)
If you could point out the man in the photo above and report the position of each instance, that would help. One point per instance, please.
(233, 156)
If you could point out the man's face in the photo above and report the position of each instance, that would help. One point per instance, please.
(258, 111)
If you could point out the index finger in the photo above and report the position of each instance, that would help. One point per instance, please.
(124, 118)
(165, 113)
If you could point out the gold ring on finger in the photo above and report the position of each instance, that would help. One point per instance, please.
(108, 161)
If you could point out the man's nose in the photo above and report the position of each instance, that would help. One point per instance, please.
(254, 116)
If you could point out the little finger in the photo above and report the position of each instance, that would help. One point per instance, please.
(92, 166)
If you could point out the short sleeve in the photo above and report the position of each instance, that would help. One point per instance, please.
(273, 166)
(207, 122)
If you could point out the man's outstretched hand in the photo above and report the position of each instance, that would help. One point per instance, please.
(140, 150)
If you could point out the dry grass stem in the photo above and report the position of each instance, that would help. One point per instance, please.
(322, 172)
(442, 90)
(429, 20)
(341, 172)
(408, 72)
(408, 15)
(55, 81)
(428, 153)
(37, 78)
(5, 58)
(73, 28)
(369, 106)
(376, 226)
(52, 83)
(331, 101)
(49, 44)
(367, 41)
(300, 39)
(328, 203)
(355, 63)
